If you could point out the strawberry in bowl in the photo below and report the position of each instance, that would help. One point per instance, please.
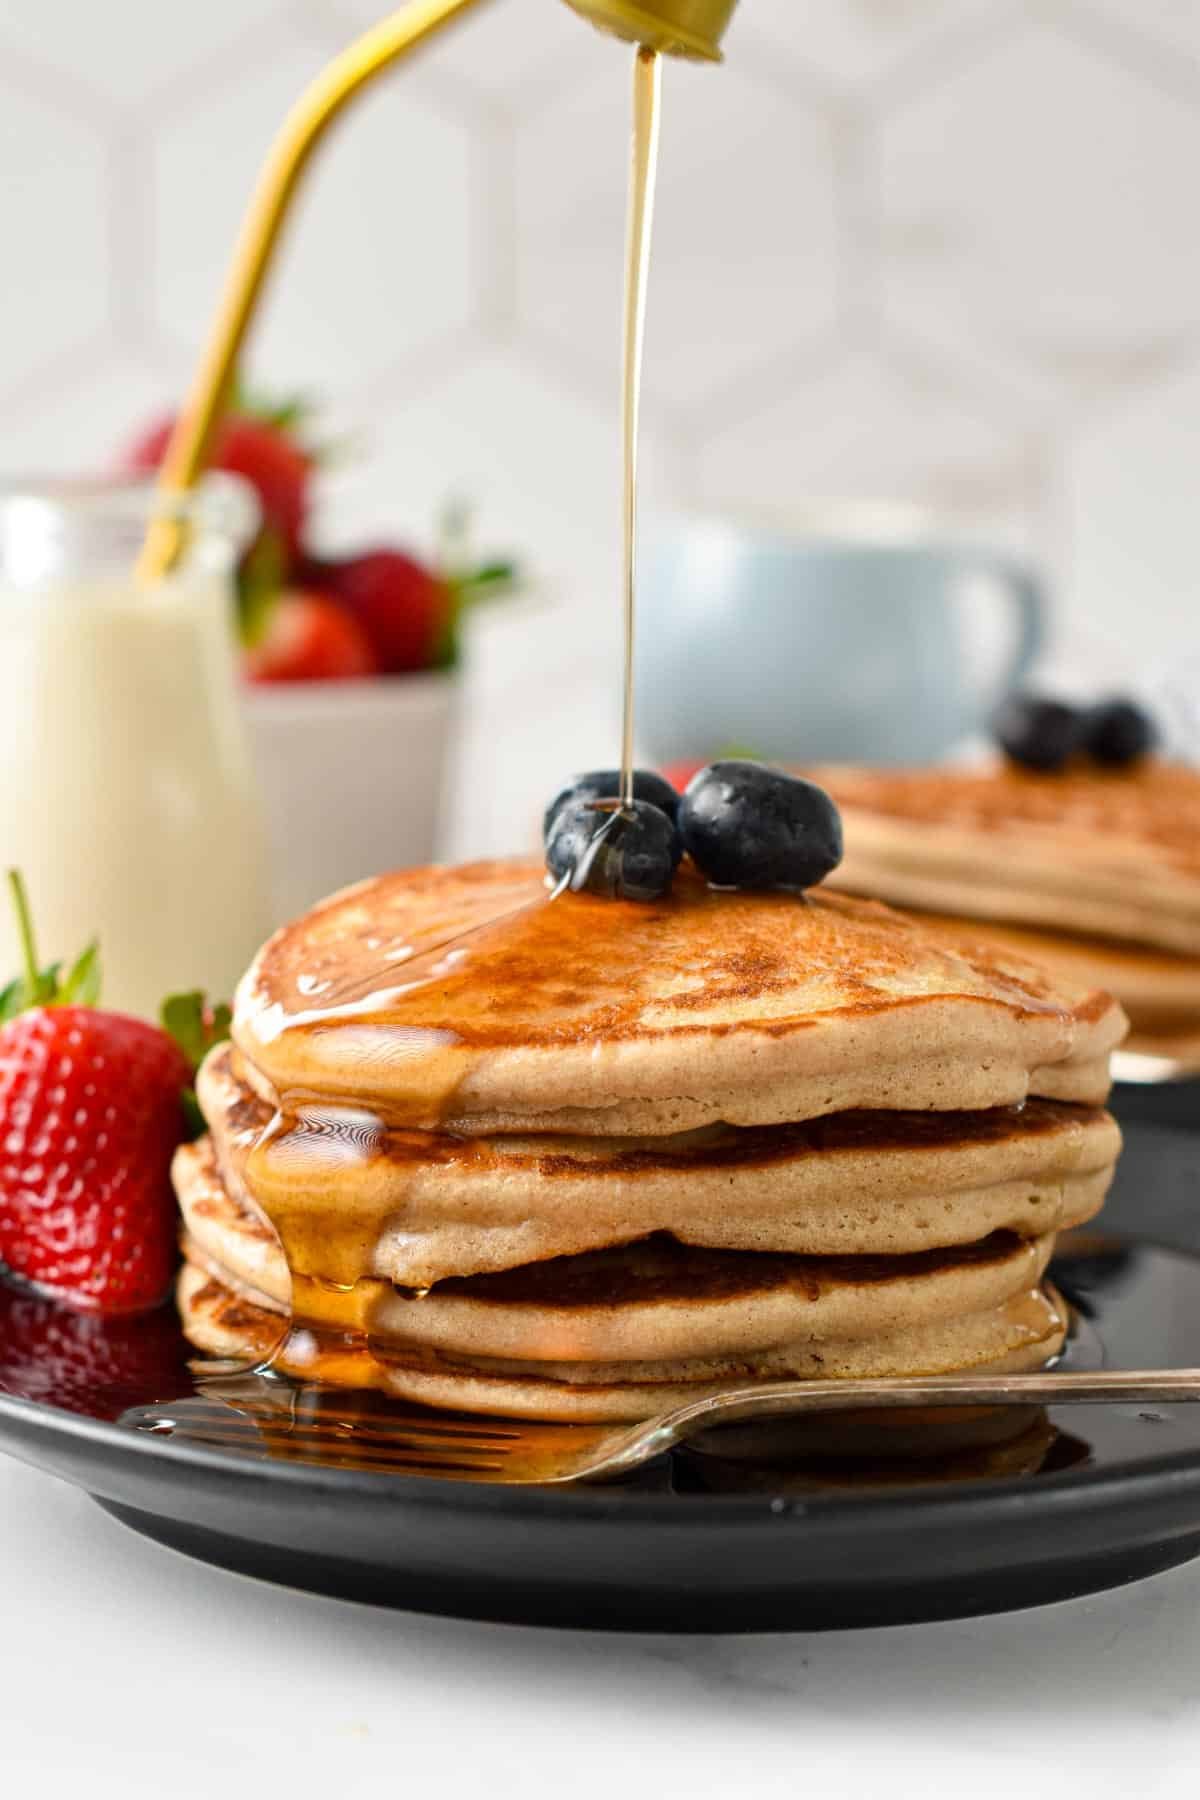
(266, 447)
(309, 637)
(306, 617)
(350, 665)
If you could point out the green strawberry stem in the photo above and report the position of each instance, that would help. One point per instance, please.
(46, 987)
(20, 899)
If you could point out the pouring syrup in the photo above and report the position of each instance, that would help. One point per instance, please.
(643, 183)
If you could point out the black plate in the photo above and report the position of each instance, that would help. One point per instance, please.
(698, 1542)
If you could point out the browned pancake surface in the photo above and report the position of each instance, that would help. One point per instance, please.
(484, 953)
(470, 999)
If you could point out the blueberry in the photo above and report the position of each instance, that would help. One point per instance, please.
(1038, 733)
(602, 848)
(605, 784)
(750, 826)
(1119, 732)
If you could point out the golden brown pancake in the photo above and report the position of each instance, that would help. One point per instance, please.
(1100, 854)
(416, 1207)
(565, 1157)
(647, 1300)
(1021, 1332)
(468, 1000)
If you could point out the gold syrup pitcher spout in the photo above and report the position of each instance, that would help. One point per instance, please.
(682, 27)
(692, 28)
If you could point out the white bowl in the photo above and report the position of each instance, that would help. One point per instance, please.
(353, 775)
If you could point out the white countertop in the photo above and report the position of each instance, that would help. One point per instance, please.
(126, 1669)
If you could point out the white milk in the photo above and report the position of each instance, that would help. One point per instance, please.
(126, 796)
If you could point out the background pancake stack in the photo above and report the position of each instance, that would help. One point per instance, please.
(582, 1159)
(1095, 873)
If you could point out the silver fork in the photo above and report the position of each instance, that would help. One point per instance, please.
(274, 1419)
(615, 1450)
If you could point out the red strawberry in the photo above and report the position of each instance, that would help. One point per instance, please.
(404, 608)
(91, 1110)
(265, 455)
(309, 637)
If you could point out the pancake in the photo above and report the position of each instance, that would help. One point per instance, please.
(1095, 853)
(1160, 992)
(1023, 1331)
(468, 1000)
(652, 1299)
(414, 1208)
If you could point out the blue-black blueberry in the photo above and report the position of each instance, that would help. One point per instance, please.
(1118, 732)
(626, 853)
(747, 825)
(1039, 733)
(605, 784)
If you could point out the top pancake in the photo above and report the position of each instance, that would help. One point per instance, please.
(469, 1000)
(1106, 853)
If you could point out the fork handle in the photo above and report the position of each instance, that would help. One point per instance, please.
(1105, 1387)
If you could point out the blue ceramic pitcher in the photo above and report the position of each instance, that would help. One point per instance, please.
(806, 648)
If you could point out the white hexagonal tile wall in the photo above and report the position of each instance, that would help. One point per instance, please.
(744, 255)
(1175, 23)
(54, 208)
(540, 467)
(538, 464)
(377, 262)
(1034, 201)
(853, 41)
(1033, 160)
(85, 424)
(505, 48)
(1133, 501)
(128, 49)
(856, 428)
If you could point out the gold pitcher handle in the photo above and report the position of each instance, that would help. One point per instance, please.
(683, 27)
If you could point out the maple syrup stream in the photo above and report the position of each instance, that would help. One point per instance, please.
(643, 181)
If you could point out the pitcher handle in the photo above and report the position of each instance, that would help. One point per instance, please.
(1029, 597)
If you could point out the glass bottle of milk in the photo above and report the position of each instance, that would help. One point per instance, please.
(126, 792)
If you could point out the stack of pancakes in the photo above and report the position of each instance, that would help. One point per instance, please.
(579, 1158)
(1095, 873)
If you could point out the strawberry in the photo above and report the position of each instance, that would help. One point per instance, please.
(91, 1111)
(404, 608)
(265, 454)
(309, 637)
